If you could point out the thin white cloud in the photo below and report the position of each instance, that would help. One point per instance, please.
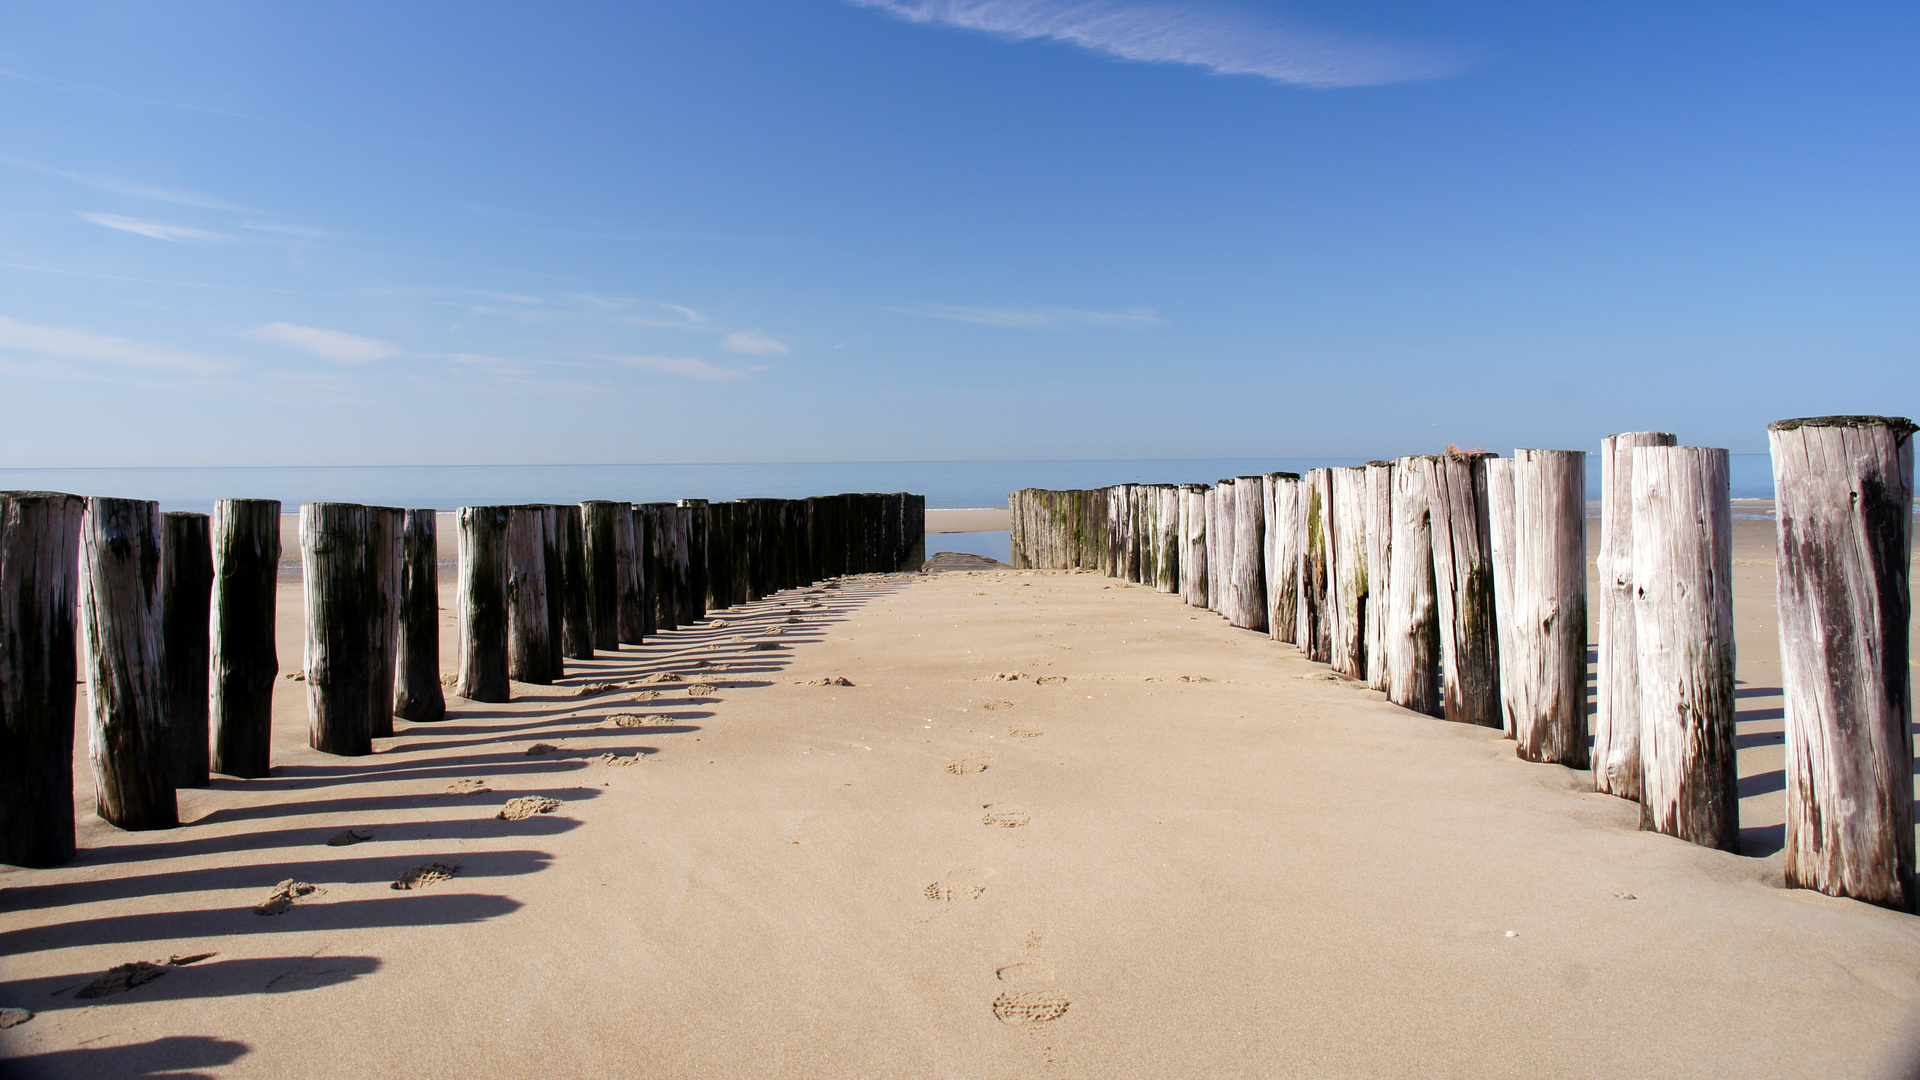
(1038, 319)
(52, 341)
(125, 187)
(1228, 40)
(691, 315)
(325, 344)
(158, 230)
(685, 367)
(753, 343)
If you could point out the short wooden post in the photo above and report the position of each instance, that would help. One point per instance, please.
(130, 741)
(529, 614)
(1412, 640)
(1347, 573)
(1463, 579)
(1549, 622)
(1379, 526)
(576, 588)
(1843, 487)
(186, 595)
(1683, 635)
(245, 661)
(417, 693)
(386, 528)
(1282, 513)
(484, 612)
(696, 514)
(600, 524)
(39, 588)
(1616, 718)
(339, 573)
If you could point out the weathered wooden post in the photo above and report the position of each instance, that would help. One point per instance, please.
(658, 521)
(600, 523)
(1167, 537)
(1379, 526)
(1315, 628)
(1193, 544)
(1500, 555)
(484, 612)
(1220, 544)
(338, 569)
(1683, 634)
(576, 588)
(130, 741)
(386, 528)
(529, 615)
(245, 662)
(1249, 588)
(556, 589)
(1843, 488)
(186, 595)
(680, 564)
(1616, 719)
(1347, 573)
(1412, 640)
(720, 551)
(1282, 513)
(1463, 579)
(696, 514)
(39, 587)
(630, 554)
(417, 691)
(1550, 608)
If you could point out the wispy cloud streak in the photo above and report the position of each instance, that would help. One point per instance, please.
(1227, 40)
(53, 341)
(1039, 319)
(686, 367)
(156, 230)
(331, 345)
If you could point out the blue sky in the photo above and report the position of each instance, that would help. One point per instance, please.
(750, 230)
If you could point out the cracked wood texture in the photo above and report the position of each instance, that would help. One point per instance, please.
(339, 572)
(1844, 512)
(129, 739)
(482, 595)
(186, 595)
(1379, 525)
(1312, 628)
(576, 590)
(1347, 573)
(697, 515)
(417, 693)
(1544, 679)
(1616, 718)
(386, 529)
(1500, 529)
(1463, 587)
(1411, 642)
(530, 645)
(600, 525)
(1220, 547)
(1166, 537)
(245, 660)
(1282, 508)
(1683, 644)
(39, 589)
(1193, 544)
(1249, 588)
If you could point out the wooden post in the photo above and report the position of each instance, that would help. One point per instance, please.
(1463, 578)
(417, 692)
(39, 588)
(1683, 635)
(1316, 540)
(1193, 544)
(630, 555)
(1379, 525)
(484, 612)
(556, 589)
(1167, 537)
(130, 741)
(1249, 589)
(1844, 491)
(680, 564)
(576, 588)
(1282, 513)
(662, 521)
(1549, 622)
(1500, 541)
(245, 661)
(186, 595)
(529, 614)
(696, 514)
(386, 526)
(600, 525)
(1220, 543)
(338, 570)
(1412, 641)
(1616, 719)
(1347, 573)
(720, 550)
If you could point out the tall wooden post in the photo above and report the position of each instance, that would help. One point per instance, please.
(1379, 526)
(1616, 719)
(1283, 554)
(1412, 640)
(697, 515)
(417, 691)
(630, 553)
(386, 528)
(1500, 555)
(246, 661)
(484, 611)
(1843, 487)
(1166, 523)
(680, 563)
(339, 572)
(1193, 544)
(1315, 627)
(1463, 579)
(657, 556)
(1683, 634)
(600, 523)
(1347, 573)
(720, 549)
(39, 588)
(186, 595)
(576, 589)
(1550, 608)
(1220, 541)
(529, 611)
(1249, 588)
(556, 589)
(130, 741)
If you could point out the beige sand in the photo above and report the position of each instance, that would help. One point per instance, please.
(1168, 849)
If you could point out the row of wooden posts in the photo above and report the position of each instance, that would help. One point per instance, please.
(174, 615)
(1457, 584)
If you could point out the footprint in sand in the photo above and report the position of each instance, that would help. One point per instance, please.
(832, 680)
(1028, 995)
(468, 787)
(700, 689)
(526, 806)
(998, 705)
(976, 762)
(656, 677)
(1051, 680)
(617, 759)
(1024, 733)
(283, 895)
(960, 883)
(1004, 815)
(422, 876)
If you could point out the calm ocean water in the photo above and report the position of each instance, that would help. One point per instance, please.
(946, 484)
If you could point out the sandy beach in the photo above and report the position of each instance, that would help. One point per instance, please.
(1057, 825)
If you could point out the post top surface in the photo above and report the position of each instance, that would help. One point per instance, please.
(1900, 424)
